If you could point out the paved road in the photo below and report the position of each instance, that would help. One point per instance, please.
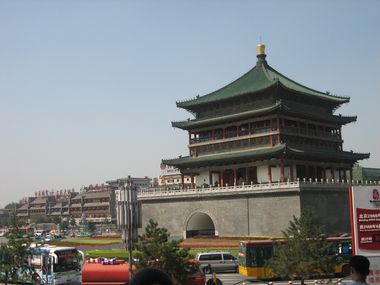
(236, 278)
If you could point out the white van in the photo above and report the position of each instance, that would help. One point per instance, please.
(221, 261)
(40, 233)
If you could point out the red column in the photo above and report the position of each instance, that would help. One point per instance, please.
(234, 172)
(210, 178)
(270, 125)
(269, 173)
(182, 182)
(278, 123)
(192, 181)
(237, 131)
(221, 178)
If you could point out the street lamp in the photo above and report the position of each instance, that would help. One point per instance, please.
(129, 216)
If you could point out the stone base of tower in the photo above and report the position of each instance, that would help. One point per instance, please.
(252, 210)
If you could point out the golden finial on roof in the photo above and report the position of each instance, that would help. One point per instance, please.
(260, 49)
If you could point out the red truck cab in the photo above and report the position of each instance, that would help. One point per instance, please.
(97, 272)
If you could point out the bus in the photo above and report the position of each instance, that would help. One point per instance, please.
(253, 256)
(55, 265)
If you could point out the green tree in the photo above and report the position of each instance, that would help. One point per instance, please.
(12, 206)
(57, 220)
(5, 263)
(73, 223)
(155, 249)
(91, 226)
(64, 225)
(304, 254)
(14, 253)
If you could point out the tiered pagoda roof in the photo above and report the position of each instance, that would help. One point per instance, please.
(269, 93)
(279, 151)
(258, 79)
(279, 107)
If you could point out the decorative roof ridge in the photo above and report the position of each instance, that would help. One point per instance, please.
(180, 156)
(326, 94)
(345, 117)
(216, 91)
(198, 96)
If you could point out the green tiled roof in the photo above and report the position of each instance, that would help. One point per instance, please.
(225, 118)
(288, 151)
(312, 153)
(260, 153)
(259, 78)
(279, 105)
(288, 107)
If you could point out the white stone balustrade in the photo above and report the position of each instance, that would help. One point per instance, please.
(328, 183)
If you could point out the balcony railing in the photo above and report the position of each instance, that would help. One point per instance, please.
(266, 129)
(310, 132)
(324, 183)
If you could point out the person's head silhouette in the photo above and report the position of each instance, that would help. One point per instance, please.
(151, 276)
(359, 268)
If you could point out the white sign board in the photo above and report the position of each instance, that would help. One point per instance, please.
(365, 226)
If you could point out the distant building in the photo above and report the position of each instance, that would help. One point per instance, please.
(363, 174)
(119, 184)
(138, 183)
(4, 215)
(95, 203)
(171, 177)
(45, 204)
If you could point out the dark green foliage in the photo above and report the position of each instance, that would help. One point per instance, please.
(91, 226)
(12, 206)
(304, 254)
(14, 253)
(64, 225)
(73, 223)
(5, 263)
(155, 249)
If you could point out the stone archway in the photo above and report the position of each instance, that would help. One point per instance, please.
(200, 224)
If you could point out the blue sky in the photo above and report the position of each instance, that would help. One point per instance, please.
(88, 88)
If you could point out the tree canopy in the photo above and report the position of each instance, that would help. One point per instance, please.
(14, 253)
(303, 252)
(155, 249)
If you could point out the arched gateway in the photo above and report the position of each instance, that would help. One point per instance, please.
(199, 224)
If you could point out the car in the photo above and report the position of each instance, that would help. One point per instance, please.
(36, 239)
(217, 261)
(197, 276)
